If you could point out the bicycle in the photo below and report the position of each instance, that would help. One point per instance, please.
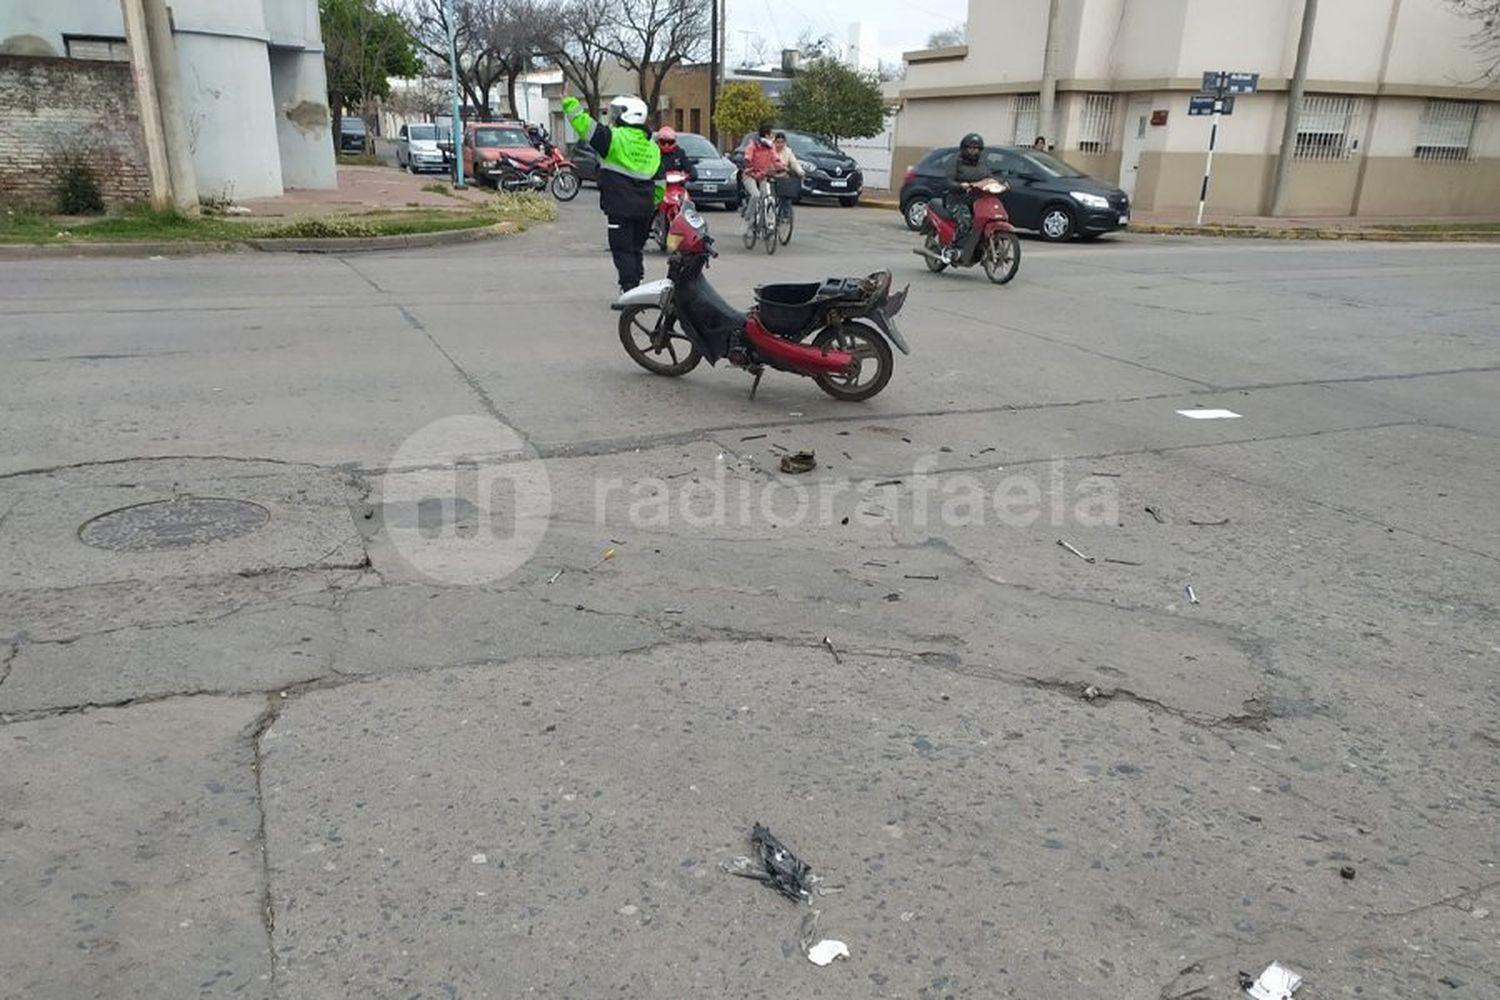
(786, 188)
(764, 215)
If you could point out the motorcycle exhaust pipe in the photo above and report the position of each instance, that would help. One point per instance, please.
(929, 255)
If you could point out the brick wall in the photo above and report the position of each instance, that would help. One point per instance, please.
(59, 106)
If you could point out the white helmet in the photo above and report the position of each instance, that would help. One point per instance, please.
(627, 109)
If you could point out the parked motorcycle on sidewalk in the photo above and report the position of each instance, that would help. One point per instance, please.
(672, 203)
(991, 240)
(838, 332)
(512, 174)
(561, 172)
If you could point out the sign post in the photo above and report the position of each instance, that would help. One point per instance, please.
(1219, 87)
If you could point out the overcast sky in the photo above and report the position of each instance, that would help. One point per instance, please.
(902, 24)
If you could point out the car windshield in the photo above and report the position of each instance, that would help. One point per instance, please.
(353, 125)
(696, 146)
(804, 144)
(422, 131)
(505, 138)
(1051, 165)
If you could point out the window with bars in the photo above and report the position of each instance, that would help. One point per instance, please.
(1326, 124)
(96, 47)
(1098, 123)
(1445, 130)
(1027, 109)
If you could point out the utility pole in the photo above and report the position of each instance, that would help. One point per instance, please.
(1385, 64)
(169, 101)
(1046, 115)
(1293, 108)
(136, 41)
(713, 73)
(458, 125)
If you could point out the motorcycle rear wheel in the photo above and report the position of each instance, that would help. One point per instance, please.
(659, 231)
(873, 361)
(933, 247)
(565, 184)
(638, 326)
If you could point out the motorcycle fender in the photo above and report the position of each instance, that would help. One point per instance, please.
(889, 328)
(651, 293)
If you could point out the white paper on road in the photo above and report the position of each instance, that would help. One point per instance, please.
(1209, 414)
(826, 951)
(1277, 982)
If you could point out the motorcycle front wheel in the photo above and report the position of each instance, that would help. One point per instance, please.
(1002, 256)
(873, 362)
(565, 184)
(639, 334)
(659, 231)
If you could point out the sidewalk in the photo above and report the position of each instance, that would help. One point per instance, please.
(1322, 227)
(366, 189)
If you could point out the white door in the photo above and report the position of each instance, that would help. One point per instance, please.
(1137, 122)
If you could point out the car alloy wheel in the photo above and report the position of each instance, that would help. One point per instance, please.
(915, 213)
(1057, 224)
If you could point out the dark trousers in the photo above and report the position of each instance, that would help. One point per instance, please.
(627, 243)
(960, 206)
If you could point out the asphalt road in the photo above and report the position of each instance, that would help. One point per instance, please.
(395, 730)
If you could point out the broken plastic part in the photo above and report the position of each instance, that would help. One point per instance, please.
(784, 871)
(1277, 982)
(826, 951)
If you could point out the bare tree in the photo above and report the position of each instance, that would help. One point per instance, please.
(948, 37)
(496, 41)
(1485, 39)
(652, 37)
(573, 37)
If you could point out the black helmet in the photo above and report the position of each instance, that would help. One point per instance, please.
(973, 141)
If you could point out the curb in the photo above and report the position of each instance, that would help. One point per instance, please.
(1365, 235)
(193, 248)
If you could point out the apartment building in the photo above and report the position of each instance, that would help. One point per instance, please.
(1396, 119)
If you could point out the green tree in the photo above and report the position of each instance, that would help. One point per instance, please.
(363, 46)
(832, 100)
(741, 108)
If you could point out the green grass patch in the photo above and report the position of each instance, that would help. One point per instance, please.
(442, 189)
(359, 160)
(1445, 227)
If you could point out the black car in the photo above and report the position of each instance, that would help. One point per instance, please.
(586, 160)
(830, 174)
(353, 136)
(1047, 194)
(718, 180)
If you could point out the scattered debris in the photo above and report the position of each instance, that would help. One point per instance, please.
(826, 951)
(753, 437)
(1347, 873)
(829, 643)
(608, 555)
(672, 611)
(889, 482)
(1191, 595)
(1156, 514)
(1450, 982)
(237, 210)
(1123, 562)
(479, 859)
(844, 520)
(1090, 693)
(553, 578)
(1107, 475)
(795, 413)
(1209, 524)
(985, 451)
(872, 562)
(784, 871)
(1206, 414)
(1277, 982)
(893, 597)
(799, 462)
(1087, 559)
(920, 576)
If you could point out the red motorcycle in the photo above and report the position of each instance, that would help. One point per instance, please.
(671, 205)
(991, 239)
(561, 172)
(668, 326)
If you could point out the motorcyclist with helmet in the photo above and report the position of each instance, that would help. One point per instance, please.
(968, 171)
(673, 157)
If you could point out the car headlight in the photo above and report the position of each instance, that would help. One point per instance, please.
(1089, 200)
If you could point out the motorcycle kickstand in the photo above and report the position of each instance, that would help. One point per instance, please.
(757, 371)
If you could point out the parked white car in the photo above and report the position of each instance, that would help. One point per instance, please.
(417, 148)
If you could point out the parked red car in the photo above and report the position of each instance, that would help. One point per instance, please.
(493, 149)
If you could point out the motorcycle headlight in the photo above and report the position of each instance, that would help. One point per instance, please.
(1089, 200)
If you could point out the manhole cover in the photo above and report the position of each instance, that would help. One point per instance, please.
(173, 524)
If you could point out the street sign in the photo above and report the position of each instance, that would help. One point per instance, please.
(1216, 80)
(1203, 104)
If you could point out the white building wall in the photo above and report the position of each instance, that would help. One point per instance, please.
(302, 124)
(231, 115)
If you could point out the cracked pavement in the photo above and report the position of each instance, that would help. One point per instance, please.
(292, 764)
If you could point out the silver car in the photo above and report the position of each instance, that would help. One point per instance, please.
(417, 148)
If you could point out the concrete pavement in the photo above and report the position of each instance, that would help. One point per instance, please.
(323, 755)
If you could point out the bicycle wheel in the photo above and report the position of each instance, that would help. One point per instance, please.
(752, 226)
(784, 221)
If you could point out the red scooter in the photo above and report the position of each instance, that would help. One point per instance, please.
(991, 240)
(671, 204)
(668, 326)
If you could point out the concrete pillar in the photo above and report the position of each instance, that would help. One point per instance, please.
(145, 94)
(1046, 113)
(169, 99)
